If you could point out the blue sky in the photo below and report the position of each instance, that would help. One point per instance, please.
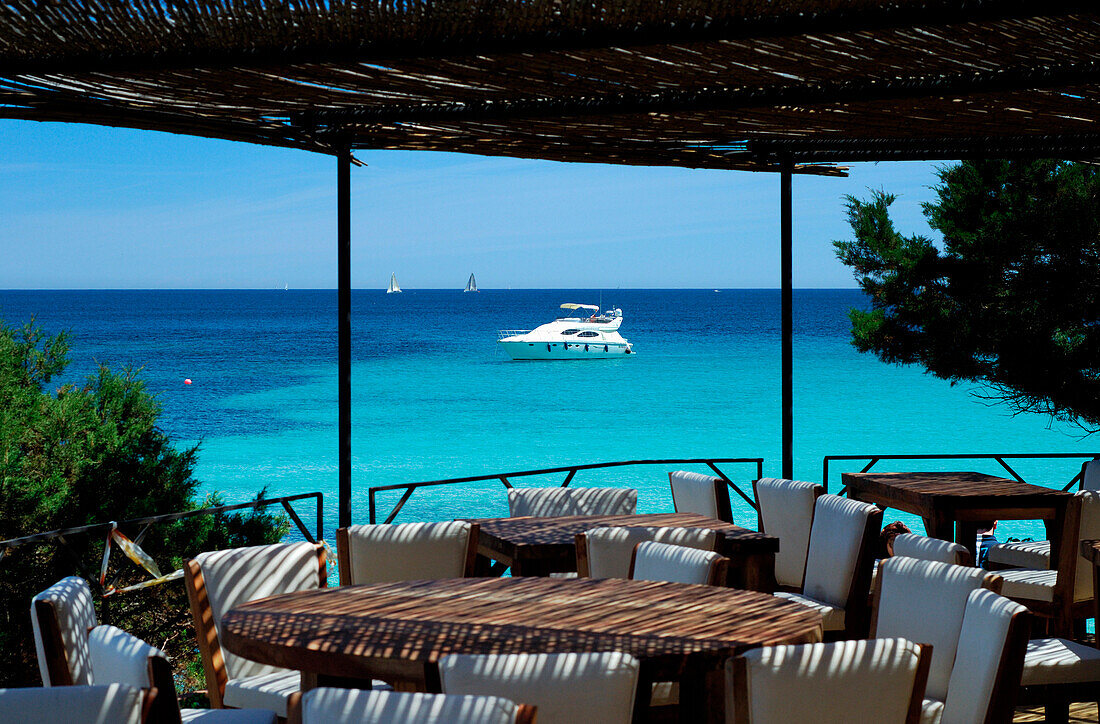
(89, 207)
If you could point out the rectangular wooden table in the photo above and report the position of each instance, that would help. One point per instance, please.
(954, 506)
(541, 546)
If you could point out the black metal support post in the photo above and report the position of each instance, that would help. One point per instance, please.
(786, 264)
(343, 273)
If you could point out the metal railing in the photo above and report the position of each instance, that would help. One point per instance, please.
(570, 470)
(505, 333)
(1000, 458)
(60, 535)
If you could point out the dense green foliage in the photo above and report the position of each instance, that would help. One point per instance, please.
(89, 453)
(1010, 299)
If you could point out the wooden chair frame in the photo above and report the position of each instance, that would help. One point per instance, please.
(818, 491)
(525, 713)
(716, 573)
(53, 648)
(857, 608)
(1006, 684)
(210, 650)
(1061, 611)
(721, 499)
(343, 554)
(741, 687)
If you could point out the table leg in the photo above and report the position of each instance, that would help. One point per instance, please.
(702, 696)
(530, 568)
(967, 534)
(939, 524)
(755, 572)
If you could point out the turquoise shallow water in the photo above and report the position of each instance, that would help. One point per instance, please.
(433, 397)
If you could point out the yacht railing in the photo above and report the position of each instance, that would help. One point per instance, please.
(501, 334)
(570, 470)
(873, 460)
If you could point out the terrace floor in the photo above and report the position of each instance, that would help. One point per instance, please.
(1077, 713)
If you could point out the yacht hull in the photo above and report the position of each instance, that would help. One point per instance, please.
(520, 350)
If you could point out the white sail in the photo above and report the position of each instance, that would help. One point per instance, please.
(393, 284)
(471, 286)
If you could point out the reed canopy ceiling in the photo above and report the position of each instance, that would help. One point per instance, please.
(720, 84)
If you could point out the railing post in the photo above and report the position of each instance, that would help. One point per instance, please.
(343, 273)
(786, 167)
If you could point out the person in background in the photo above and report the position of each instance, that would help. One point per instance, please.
(887, 536)
(986, 540)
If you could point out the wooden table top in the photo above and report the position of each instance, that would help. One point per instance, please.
(509, 535)
(340, 631)
(966, 486)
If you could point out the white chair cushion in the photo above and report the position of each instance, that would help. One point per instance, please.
(786, 511)
(676, 564)
(1028, 584)
(978, 656)
(836, 538)
(120, 658)
(407, 552)
(227, 716)
(610, 549)
(355, 706)
(72, 600)
(555, 502)
(924, 548)
(1090, 475)
(924, 601)
(1058, 661)
(263, 691)
(694, 493)
(112, 704)
(1090, 530)
(1021, 554)
(240, 575)
(843, 682)
(832, 617)
(566, 688)
(931, 711)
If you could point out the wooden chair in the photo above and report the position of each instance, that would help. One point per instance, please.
(925, 601)
(785, 509)
(654, 561)
(406, 552)
(1036, 554)
(839, 562)
(1066, 594)
(61, 617)
(702, 494)
(77, 704)
(356, 706)
(567, 688)
(607, 552)
(557, 502)
(985, 678)
(219, 580)
(880, 680)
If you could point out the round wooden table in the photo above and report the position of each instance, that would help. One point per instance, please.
(399, 631)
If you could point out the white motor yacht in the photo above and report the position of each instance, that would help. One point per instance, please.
(590, 334)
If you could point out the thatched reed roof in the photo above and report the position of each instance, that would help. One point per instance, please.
(695, 83)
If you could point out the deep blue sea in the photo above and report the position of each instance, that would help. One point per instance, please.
(433, 396)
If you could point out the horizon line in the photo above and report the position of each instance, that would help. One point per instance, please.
(420, 289)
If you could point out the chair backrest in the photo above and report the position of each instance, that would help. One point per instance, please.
(654, 561)
(1090, 475)
(606, 552)
(357, 706)
(219, 580)
(112, 704)
(989, 661)
(786, 511)
(924, 601)
(118, 657)
(557, 502)
(566, 688)
(841, 553)
(702, 494)
(61, 617)
(1088, 529)
(876, 680)
(926, 548)
(406, 552)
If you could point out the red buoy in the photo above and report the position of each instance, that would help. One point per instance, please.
(187, 381)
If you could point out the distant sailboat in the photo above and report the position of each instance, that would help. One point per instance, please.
(393, 284)
(471, 286)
